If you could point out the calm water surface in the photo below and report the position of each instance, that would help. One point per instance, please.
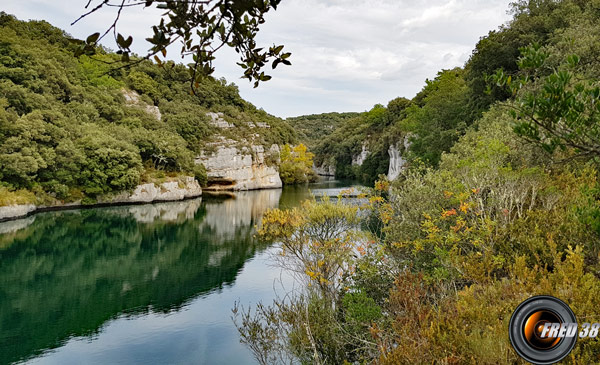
(151, 284)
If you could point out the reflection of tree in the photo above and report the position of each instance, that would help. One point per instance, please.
(67, 273)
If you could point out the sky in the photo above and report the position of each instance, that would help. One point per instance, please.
(347, 55)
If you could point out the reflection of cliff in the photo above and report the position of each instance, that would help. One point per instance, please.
(177, 212)
(67, 273)
(245, 210)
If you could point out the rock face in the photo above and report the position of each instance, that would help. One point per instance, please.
(186, 188)
(245, 168)
(133, 98)
(167, 191)
(397, 162)
(358, 160)
(218, 121)
(324, 170)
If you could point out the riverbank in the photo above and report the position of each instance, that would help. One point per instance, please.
(184, 188)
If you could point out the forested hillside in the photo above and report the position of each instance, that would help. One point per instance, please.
(431, 122)
(74, 128)
(499, 201)
(455, 99)
(314, 127)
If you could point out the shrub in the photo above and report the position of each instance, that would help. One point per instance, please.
(296, 165)
(200, 174)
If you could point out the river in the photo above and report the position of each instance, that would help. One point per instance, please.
(151, 284)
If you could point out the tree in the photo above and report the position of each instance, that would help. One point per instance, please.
(202, 26)
(442, 117)
(296, 165)
(558, 110)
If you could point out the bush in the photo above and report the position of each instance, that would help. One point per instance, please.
(296, 165)
(200, 174)
(110, 164)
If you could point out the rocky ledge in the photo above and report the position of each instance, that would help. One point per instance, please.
(241, 168)
(184, 188)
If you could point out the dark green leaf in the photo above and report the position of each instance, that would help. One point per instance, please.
(93, 38)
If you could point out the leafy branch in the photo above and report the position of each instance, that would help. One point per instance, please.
(202, 27)
(557, 110)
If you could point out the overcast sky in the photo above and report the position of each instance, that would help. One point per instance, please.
(347, 55)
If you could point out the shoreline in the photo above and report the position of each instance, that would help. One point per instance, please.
(73, 206)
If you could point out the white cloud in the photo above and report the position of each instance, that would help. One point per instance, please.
(347, 54)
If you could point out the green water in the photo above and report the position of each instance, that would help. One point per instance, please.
(137, 284)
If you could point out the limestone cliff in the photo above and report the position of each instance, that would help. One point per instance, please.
(324, 169)
(132, 98)
(186, 188)
(397, 162)
(359, 159)
(231, 167)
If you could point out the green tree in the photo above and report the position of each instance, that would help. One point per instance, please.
(440, 116)
(562, 111)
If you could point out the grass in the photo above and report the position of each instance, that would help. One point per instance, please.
(8, 197)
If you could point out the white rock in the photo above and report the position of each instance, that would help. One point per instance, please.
(16, 211)
(360, 159)
(324, 170)
(262, 125)
(133, 98)
(218, 121)
(397, 162)
(230, 168)
(167, 191)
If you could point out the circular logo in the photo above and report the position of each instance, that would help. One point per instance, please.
(543, 329)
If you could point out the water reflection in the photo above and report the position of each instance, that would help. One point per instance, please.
(65, 274)
(326, 186)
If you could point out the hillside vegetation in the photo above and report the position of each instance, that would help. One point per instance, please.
(73, 128)
(499, 202)
(312, 128)
(455, 99)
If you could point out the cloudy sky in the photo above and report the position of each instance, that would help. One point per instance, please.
(347, 55)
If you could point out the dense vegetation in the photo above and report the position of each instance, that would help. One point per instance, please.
(432, 122)
(312, 128)
(67, 131)
(374, 130)
(500, 202)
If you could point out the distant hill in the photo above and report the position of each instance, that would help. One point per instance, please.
(314, 127)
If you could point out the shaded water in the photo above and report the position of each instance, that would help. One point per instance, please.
(136, 284)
